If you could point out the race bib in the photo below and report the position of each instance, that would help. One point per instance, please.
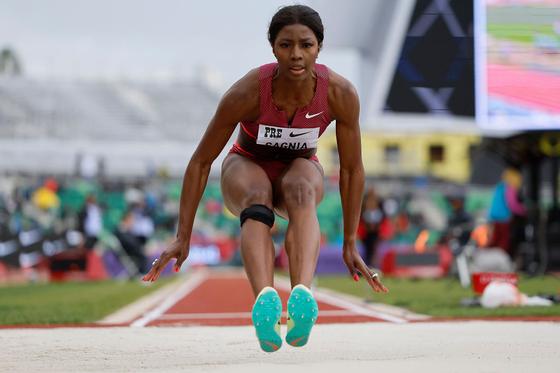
(287, 137)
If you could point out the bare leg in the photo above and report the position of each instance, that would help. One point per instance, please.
(301, 189)
(302, 244)
(244, 183)
(258, 254)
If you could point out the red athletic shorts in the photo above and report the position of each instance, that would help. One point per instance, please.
(273, 168)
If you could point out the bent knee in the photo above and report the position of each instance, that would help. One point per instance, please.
(258, 196)
(298, 192)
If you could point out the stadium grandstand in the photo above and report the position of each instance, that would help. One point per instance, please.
(117, 121)
(104, 110)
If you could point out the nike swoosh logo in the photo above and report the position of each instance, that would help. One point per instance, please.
(309, 116)
(299, 134)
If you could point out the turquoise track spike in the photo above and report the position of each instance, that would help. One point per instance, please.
(302, 315)
(266, 315)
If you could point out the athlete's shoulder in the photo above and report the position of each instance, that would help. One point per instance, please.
(342, 94)
(244, 92)
(339, 86)
(246, 87)
(242, 98)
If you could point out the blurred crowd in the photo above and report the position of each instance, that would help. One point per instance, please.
(123, 214)
(138, 217)
(493, 221)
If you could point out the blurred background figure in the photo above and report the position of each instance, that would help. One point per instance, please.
(518, 221)
(134, 230)
(90, 221)
(505, 209)
(371, 217)
(458, 215)
(45, 197)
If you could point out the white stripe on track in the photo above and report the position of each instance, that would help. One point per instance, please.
(192, 283)
(356, 308)
(352, 307)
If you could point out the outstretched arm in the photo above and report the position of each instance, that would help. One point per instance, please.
(345, 107)
(237, 104)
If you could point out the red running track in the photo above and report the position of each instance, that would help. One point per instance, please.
(226, 299)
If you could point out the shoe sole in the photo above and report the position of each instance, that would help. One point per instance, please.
(303, 310)
(266, 314)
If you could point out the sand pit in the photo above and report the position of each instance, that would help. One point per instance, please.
(476, 346)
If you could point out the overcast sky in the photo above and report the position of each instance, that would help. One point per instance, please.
(146, 38)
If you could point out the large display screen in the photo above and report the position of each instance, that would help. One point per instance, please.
(434, 74)
(517, 64)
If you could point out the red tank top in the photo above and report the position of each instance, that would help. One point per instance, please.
(271, 136)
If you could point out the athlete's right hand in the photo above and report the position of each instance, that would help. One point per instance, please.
(178, 249)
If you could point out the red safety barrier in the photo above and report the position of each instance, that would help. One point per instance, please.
(481, 279)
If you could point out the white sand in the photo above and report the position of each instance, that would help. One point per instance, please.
(346, 348)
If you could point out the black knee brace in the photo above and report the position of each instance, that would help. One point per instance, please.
(259, 213)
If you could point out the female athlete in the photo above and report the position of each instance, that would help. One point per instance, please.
(282, 108)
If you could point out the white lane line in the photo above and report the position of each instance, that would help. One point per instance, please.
(136, 309)
(217, 315)
(181, 292)
(241, 315)
(355, 308)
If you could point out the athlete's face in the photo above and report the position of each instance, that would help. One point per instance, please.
(296, 48)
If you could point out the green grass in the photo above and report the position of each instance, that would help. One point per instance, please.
(522, 33)
(70, 302)
(442, 297)
(82, 302)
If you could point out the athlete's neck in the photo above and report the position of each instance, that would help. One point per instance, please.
(294, 91)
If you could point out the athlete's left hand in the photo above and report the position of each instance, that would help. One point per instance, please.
(356, 265)
(178, 249)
